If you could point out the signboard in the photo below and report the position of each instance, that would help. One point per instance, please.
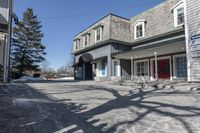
(195, 46)
(195, 54)
(195, 39)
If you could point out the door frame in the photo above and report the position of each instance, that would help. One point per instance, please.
(161, 58)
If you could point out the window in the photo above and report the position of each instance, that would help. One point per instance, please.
(180, 16)
(178, 11)
(77, 44)
(181, 66)
(98, 34)
(86, 40)
(78, 72)
(116, 70)
(142, 68)
(103, 68)
(139, 30)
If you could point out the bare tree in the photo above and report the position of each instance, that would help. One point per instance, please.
(66, 70)
(45, 66)
(46, 71)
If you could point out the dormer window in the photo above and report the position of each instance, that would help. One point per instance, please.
(86, 40)
(76, 44)
(180, 16)
(98, 33)
(178, 11)
(139, 29)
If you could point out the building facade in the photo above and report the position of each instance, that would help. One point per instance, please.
(150, 46)
(5, 20)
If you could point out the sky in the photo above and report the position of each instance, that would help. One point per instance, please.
(63, 19)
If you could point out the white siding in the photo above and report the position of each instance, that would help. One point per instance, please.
(192, 28)
(3, 11)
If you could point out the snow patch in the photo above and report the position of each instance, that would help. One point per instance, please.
(28, 78)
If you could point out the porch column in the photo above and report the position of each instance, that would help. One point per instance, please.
(156, 66)
(109, 66)
(131, 67)
(93, 71)
(83, 70)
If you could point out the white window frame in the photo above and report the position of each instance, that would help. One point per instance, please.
(118, 68)
(99, 69)
(175, 9)
(174, 66)
(135, 67)
(101, 34)
(77, 44)
(143, 29)
(88, 39)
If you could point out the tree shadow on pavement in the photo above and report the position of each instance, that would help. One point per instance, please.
(47, 114)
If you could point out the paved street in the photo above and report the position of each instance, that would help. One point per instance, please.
(76, 107)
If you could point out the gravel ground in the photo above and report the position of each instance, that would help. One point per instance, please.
(91, 107)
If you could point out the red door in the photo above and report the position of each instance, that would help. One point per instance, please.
(163, 69)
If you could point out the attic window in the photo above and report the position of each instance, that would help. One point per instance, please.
(76, 44)
(178, 11)
(98, 34)
(139, 29)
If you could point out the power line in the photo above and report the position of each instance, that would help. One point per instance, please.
(92, 14)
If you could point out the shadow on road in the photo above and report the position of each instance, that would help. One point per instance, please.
(35, 111)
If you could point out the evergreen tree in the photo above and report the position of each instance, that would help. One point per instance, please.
(27, 50)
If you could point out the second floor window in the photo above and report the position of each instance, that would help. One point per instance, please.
(178, 11)
(85, 40)
(98, 34)
(77, 44)
(139, 30)
(180, 16)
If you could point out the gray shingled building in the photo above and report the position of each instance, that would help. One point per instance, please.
(147, 47)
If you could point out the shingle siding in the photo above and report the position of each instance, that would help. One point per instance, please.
(120, 29)
(106, 32)
(159, 20)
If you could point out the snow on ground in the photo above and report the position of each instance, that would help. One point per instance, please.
(65, 78)
(28, 78)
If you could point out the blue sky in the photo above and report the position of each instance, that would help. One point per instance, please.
(63, 19)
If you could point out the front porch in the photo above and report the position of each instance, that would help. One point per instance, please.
(158, 61)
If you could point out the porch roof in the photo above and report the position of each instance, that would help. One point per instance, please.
(166, 46)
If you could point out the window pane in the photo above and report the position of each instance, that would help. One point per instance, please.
(116, 68)
(142, 68)
(85, 40)
(139, 31)
(98, 34)
(180, 16)
(181, 67)
(103, 68)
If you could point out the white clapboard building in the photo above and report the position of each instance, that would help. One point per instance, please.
(5, 23)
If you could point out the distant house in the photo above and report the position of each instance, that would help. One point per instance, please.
(150, 46)
(5, 20)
